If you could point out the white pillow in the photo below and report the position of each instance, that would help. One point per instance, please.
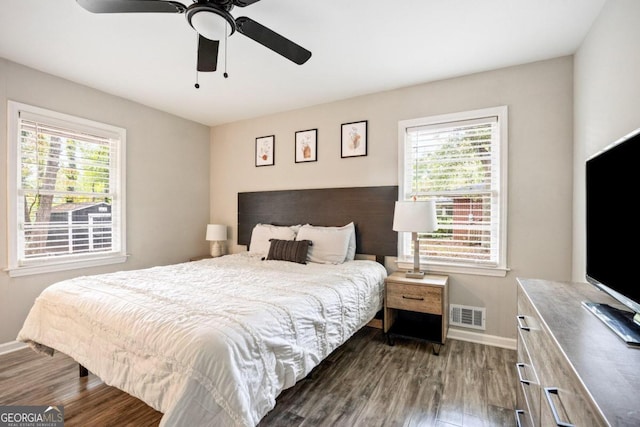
(262, 233)
(330, 245)
(351, 250)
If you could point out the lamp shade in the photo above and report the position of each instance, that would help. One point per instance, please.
(216, 232)
(415, 216)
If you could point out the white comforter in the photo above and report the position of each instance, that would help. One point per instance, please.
(208, 343)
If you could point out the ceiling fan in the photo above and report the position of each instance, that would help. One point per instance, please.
(212, 21)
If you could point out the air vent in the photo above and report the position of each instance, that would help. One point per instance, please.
(468, 317)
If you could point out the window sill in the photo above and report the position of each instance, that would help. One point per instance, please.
(63, 266)
(458, 269)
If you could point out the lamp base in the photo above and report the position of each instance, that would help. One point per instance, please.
(414, 274)
(217, 249)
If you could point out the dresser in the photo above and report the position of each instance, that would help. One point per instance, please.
(572, 369)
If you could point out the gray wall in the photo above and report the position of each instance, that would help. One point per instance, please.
(546, 167)
(607, 101)
(167, 181)
(540, 101)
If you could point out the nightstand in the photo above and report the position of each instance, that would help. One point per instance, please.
(417, 308)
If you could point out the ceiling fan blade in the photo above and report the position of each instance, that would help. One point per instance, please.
(207, 54)
(243, 3)
(272, 40)
(132, 6)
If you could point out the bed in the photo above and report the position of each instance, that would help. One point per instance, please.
(214, 342)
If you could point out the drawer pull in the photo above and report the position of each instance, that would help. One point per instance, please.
(519, 412)
(520, 325)
(519, 366)
(413, 298)
(548, 391)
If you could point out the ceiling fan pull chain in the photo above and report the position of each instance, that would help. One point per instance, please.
(226, 36)
(197, 85)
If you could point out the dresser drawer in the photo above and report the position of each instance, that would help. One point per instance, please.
(530, 332)
(528, 397)
(562, 391)
(423, 299)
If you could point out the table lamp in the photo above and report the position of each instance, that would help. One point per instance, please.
(415, 217)
(217, 233)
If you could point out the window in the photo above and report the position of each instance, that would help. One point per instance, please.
(66, 192)
(460, 162)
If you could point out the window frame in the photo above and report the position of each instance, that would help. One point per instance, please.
(500, 270)
(118, 211)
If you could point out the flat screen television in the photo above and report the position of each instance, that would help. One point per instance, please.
(612, 233)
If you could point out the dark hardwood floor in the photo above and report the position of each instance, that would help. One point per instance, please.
(363, 383)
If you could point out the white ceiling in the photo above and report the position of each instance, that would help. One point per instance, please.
(358, 47)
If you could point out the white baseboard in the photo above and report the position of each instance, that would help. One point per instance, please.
(10, 346)
(493, 340)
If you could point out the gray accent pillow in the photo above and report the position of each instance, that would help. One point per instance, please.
(289, 250)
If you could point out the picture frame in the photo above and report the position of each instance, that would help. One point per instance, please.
(265, 150)
(306, 146)
(354, 139)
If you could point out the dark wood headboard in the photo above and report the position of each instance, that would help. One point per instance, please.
(370, 209)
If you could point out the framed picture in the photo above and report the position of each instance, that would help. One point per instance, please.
(265, 150)
(354, 139)
(306, 146)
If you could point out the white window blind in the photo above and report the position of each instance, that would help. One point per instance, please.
(456, 161)
(68, 200)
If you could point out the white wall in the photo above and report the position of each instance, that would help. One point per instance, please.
(540, 101)
(167, 181)
(607, 99)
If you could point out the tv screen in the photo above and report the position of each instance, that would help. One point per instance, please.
(612, 232)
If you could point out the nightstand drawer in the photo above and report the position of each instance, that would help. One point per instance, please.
(424, 299)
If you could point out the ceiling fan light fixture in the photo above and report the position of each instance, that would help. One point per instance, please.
(212, 23)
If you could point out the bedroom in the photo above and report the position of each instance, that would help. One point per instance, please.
(583, 99)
